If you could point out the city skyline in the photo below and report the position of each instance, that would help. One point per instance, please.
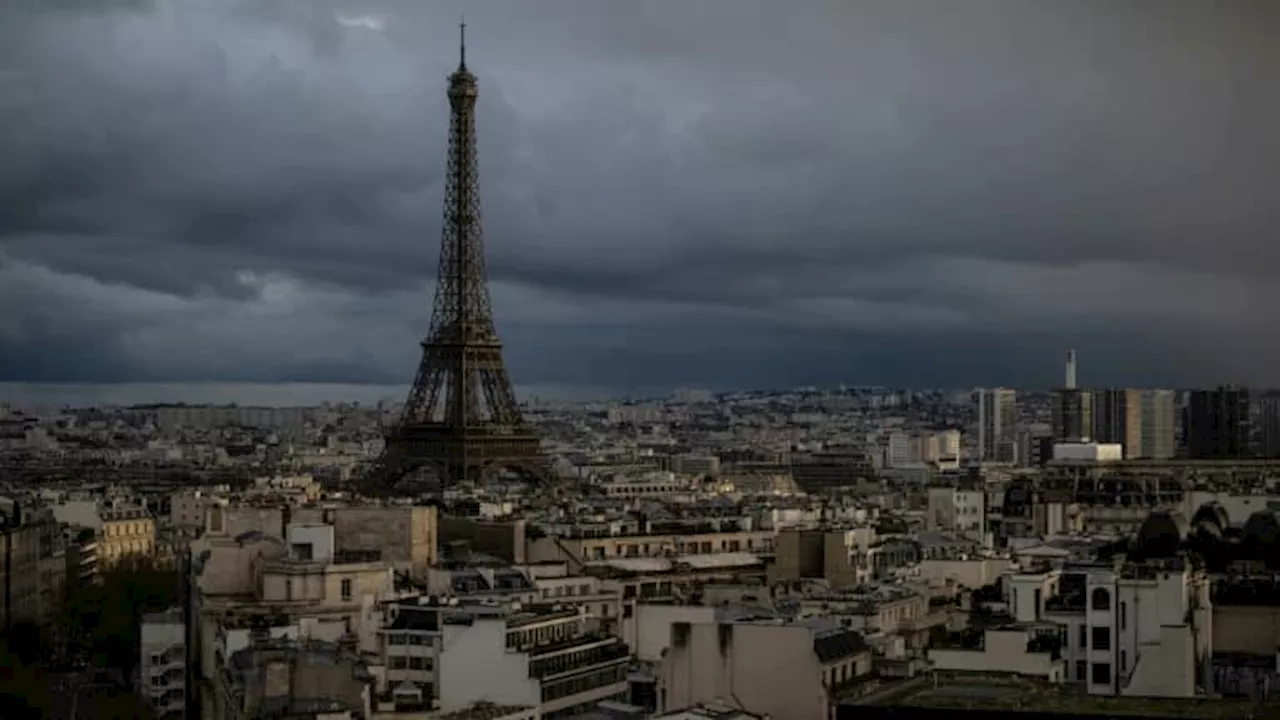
(257, 198)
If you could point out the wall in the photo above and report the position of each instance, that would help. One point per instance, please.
(504, 540)
(475, 667)
(648, 630)
(1251, 629)
(1003, 651)
(764, 669)
(971, 574)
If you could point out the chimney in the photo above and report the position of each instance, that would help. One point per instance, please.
(1071, 370)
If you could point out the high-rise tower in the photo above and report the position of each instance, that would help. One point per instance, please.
(1072, 408)
(461, 417)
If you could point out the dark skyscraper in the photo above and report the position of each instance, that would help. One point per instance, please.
(1072, 408)
(1269, 427)
(1216, 424)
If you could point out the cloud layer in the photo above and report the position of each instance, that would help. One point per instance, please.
(723, 193)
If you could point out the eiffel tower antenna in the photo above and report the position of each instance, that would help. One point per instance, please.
(461, 418)
(462, 43)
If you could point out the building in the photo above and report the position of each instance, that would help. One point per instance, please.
(125, 533)
(785, 670)
(1142, 421)
(288, 678)
(1073, 411)
(539, 656)
(1159, 428)
(1216, 424)
(162, 664)
(301, 586)
(958, 509)
(997, 424)
(32, 564)
(1269, 426)
(1117, 419)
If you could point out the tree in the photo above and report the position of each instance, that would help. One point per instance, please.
(24, 689)
(106, 617)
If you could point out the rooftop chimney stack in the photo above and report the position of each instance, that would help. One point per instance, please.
(1071, 370)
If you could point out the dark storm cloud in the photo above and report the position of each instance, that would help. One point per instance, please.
(717, 192)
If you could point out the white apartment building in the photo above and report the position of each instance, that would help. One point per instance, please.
(959, 510)
(538, 656)
(162, 664)
(785, 670)
(1142, 630)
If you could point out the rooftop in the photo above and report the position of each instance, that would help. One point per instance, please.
(483, 711)
(1001, 694)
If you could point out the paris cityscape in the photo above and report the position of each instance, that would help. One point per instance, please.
(234, 485)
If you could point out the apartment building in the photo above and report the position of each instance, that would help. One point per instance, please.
(32, 563)
(546, 657)
(126, 532)
(162, 664)
(787, 670)
(301, 580)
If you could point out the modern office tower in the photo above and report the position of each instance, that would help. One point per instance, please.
(1159, 427)
(1070, 383)
(1140, 420)
(1216, 424)
(1269, 426)
(997, 424)
(1117, 418)
(1073, 415)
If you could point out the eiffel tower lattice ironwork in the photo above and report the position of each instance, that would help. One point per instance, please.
(461, 418)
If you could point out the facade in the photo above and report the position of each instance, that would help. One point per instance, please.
(1142, 421)
(540, 657)
(125, 533)
(1073, 411)
(32, 565)
(1269, 427)
(162, 664)
(997, 424)
(289, 678)
(960, 510)
(784, 670)
(1117, 419)
(300, 584)
(1216, 424)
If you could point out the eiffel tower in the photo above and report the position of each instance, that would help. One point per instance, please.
(461, 418)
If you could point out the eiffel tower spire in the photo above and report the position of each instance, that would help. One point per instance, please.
(461, 417)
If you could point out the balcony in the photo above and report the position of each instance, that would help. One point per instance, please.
(568, 663)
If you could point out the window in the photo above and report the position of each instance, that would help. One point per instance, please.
(1084, 638)
(1102, 673)
(1101, 599)
(1124, 608)
(1082, 670)
(288, 589)
(1102, 638)
(346, 589)
(1124, 661)
(1037, 599)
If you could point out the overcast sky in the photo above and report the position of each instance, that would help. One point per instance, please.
(716, 193)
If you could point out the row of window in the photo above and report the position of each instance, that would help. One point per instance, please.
(408, 639)
(402, 662)
(346, 588)
(583, 683)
